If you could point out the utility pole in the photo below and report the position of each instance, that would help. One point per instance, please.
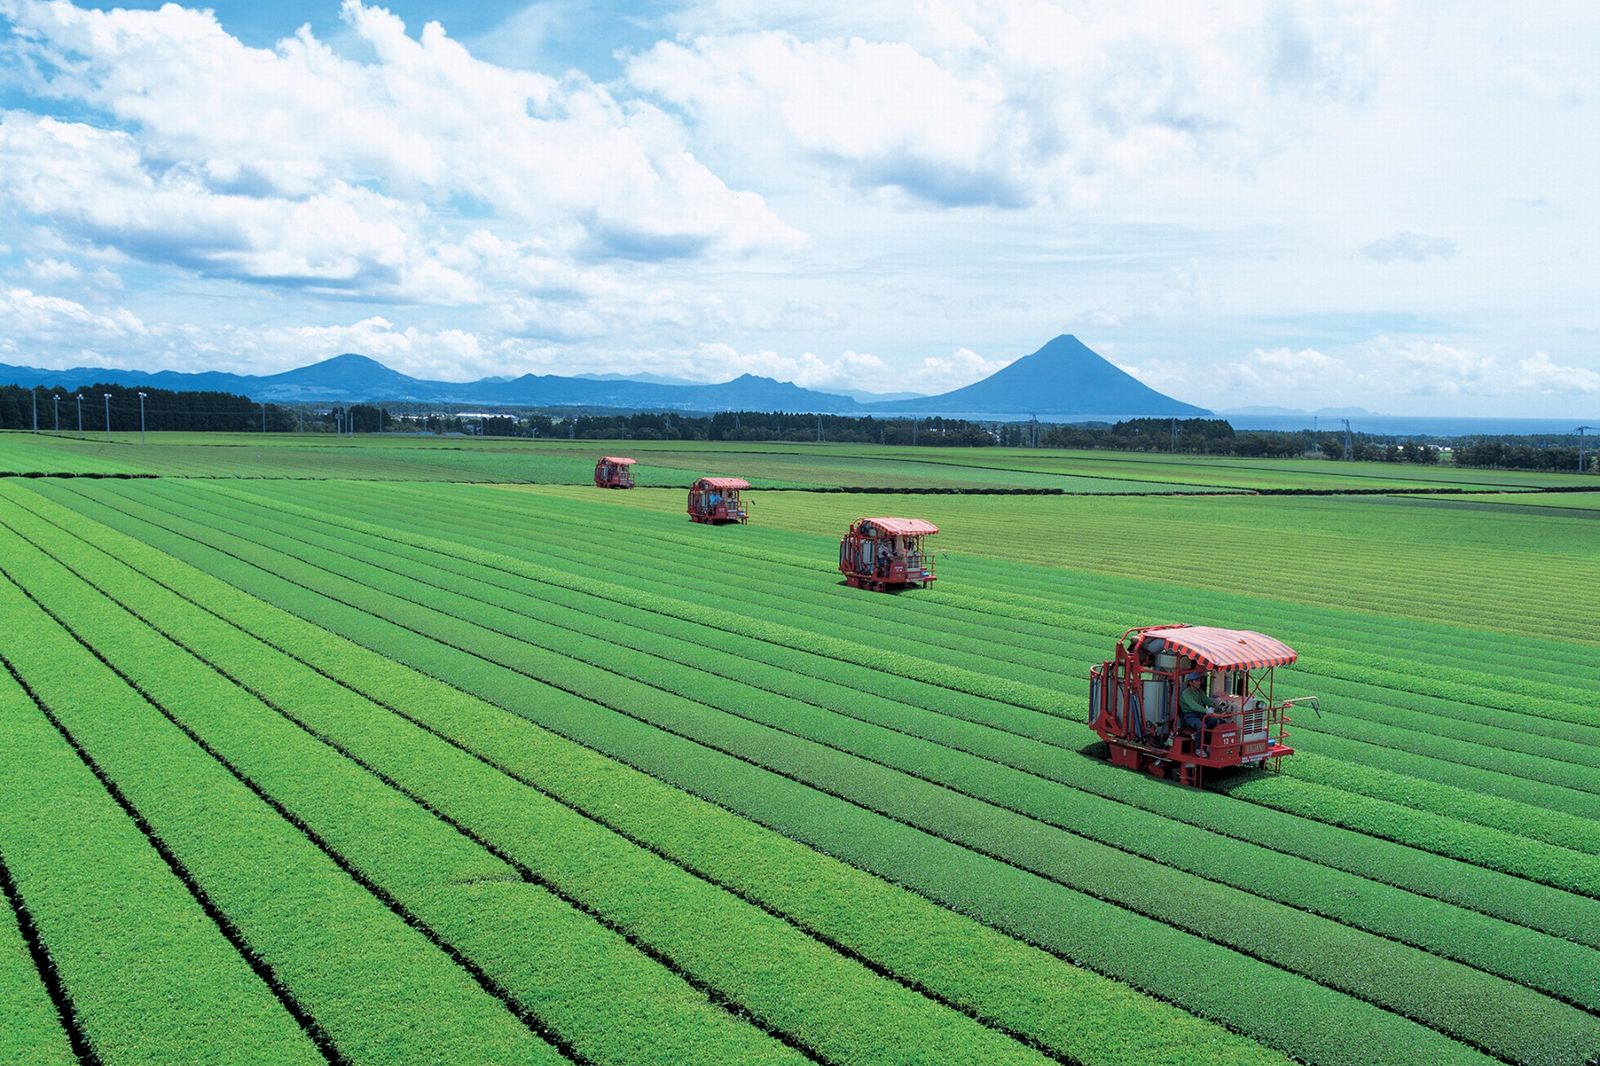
(914, 422)
(819, 429)
(79, 398)
(1172, 429)
(55, 400)
(108, 418)
(141, 418)
(263, 416)
(1348, 450)
(34, 392)
(1581, 431)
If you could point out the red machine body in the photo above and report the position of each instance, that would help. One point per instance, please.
(614, 472)
(1135, 700)
(716, 500)
(884, 553)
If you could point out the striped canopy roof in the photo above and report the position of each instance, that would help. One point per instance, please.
(898, 527)
(723, 483)
(1225, 649)
(617, 460)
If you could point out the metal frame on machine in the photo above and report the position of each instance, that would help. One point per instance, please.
(613, 472)
(730, 506)
(1251, 723)
(864, 565)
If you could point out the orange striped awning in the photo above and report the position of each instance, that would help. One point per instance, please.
(898, 527)
(1225, 649)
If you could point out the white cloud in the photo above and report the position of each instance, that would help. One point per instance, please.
(1384, 374)
(1382, 366)
(50, 270)
(41, 330)
(1548, 85)
(1414, 247)
(1544, 375)
(424, 121)
(449, 354)
(941, 373)
(94, 185)
(1011, 103)
(722, 362)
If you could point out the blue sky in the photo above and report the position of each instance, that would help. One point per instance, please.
(1273, 203)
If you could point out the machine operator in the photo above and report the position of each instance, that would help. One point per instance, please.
(1195, 702)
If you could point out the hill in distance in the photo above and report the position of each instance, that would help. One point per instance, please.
(1064, 378)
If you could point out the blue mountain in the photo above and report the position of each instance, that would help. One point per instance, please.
(1065, 377)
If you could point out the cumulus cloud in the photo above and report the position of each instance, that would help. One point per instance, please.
(1413, 247)
(423, 121)
(721, 362)
(1552, 86)
(449, 354)
(95, 186)
(49, 269)
(1388, 373)
(1543, 374)
(941, 373)
(1009, 103)
(1382, 366)
(43, 330)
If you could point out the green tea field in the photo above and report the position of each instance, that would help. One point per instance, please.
(412, 750)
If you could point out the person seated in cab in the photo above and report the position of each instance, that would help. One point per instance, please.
(1196, 703)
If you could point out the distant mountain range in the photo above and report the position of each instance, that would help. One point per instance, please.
(1064, 378)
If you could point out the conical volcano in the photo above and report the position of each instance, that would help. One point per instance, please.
(1065, 377)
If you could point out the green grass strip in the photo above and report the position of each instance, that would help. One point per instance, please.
(379, 989)
(151, 979)
(757, 960)
(30, 1025)
(588, 983)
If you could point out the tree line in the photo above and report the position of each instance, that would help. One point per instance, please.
(96, 408)
(1519, 455)
(90, 409)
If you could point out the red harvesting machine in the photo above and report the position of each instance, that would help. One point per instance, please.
(614, 472)
(1228, 717)
(882, 553)
(716, 500)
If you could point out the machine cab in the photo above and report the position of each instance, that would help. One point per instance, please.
(883, 553)
(614, 472)
(1175, 700)
(717, 500)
